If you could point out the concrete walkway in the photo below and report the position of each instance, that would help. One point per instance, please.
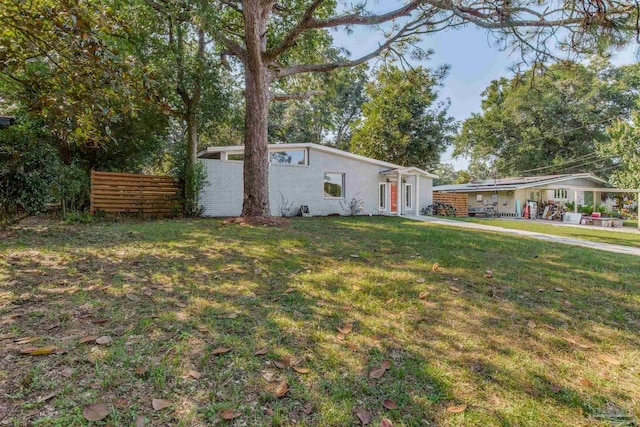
(607, 247)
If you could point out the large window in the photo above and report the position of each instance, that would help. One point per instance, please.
(560, 194)
(334, 185)
(382, 203)
(288, 157)
(408, 196)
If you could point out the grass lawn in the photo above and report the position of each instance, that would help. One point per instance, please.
(631, 223)
(604, 235)
(552, 339)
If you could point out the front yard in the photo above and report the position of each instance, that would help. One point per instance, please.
(176, 311)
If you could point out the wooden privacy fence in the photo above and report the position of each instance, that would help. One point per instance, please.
(457, 200)
(133, 193)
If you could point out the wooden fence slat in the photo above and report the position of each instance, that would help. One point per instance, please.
(458, 200)
(122, 193)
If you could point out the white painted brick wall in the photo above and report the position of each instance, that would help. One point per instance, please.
(303, 185)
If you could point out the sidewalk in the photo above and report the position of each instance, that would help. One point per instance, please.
(607, 247)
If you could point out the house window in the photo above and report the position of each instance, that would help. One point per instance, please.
(288, 157)
(334, 185)
(560, 194)
(408, 196)
(235, 157)
(382, 201)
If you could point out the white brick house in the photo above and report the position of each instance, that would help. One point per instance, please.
(323, 178)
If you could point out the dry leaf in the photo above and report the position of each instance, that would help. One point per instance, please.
(95, 411)
(261, 351)
(377, 373)
(346, 329)
(84, 340)
(26, 340)
(454, 289)
(351, 346)
(307, 408)
(101, 320)
(555, 388)
(294, 361)
(141, 370)
(609, 359)
(67, 372)
(159, 404)
(194, 374)
(389, 301)
(230, 414)
(202, 328)
(488, 274)
(421, 280)
(106, 339)
(341, 336)
(434, 267)
(385, 364)
(364, 416)
(220, 350)
(301, 370)
(268, 376)
(181, 305)
(39, 351)
(386, 423)
(280, 364)
(389, 404)
(288, 291)
(47, 397)
(120, 402)
(559, 290)
(133, 297)
(456, 409)
(140, 421)
(268, 412)
(531, 324)
(354, 256)
(423, 295)
(585, 382)
(52, 325)
(282, 389)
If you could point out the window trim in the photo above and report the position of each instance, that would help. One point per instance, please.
(409, 206)
(344, 186)
(384, 185)
(227, 153)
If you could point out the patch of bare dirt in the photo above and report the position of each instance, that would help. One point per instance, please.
(265, 221)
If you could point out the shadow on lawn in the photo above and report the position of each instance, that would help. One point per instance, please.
(289, 291)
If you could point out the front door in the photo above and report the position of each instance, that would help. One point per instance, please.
(394, 197)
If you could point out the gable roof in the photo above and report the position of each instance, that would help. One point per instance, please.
(325, 149)
(516, 183)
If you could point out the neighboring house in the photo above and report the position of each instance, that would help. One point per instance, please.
(5, 122)
(506, 195)
(325, 179)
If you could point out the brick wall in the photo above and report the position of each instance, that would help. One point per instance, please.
(457, 200)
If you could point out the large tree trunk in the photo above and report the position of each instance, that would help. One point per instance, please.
(257, 79)
(190, 191)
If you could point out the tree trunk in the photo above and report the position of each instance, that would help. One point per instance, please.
(257, 79)
(190, 191)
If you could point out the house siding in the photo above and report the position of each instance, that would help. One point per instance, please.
(300, 185)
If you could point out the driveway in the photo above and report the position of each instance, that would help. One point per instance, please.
(607, 247)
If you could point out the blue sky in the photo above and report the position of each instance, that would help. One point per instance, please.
(473, 60)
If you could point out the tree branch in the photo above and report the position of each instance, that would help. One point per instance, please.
(295, 95)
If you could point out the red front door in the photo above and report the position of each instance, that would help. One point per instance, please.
(394, 197)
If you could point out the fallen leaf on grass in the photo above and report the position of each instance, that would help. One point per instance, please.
(585, 382)
(456, 409)
(351, 346)
(47, 397)
(220, 350)
(101, 320)
(531, 324)
(261, 351)
(577, 344)
(159, 404)
(341, 337)
(103, 340)
(389, 404)
(25, 340)
(194, 374)
(133, 297)
(39, 351)
(282, 389)
(301, 370)
(230, 414)
(268, 412)
(434, 267)
(386, 423)
(559, 290)
(141, 370)
(67, 372)
(181, 305)
(95, 411)
(423, 295)
(84, 340)
(346, 328)
(202, 328)
(488, 274)
(609, 359)
(389, 301)
(364, 416)
(378, 373)
(280, 364)
(140, 421)
(120, 402)
(421, 280)
(454, 289)
(52, 325)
